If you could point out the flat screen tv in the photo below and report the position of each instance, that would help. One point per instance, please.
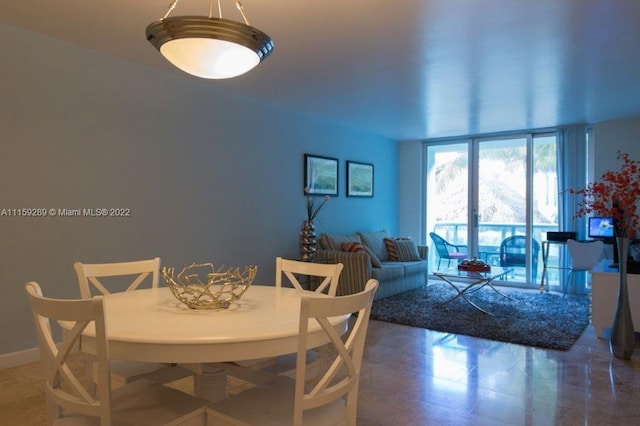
(601, 228)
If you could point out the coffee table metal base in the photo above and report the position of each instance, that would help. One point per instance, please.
(474, 282)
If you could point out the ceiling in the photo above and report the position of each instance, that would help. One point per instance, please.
(407, 69)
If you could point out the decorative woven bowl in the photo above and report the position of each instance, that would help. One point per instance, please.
(202, 286)
(473, 265)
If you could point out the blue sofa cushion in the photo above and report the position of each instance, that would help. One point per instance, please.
(389, 271)
(412, 268)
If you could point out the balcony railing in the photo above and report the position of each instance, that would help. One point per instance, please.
(490, 235)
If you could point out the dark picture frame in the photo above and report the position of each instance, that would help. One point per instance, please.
(320, 175)
(359, 179)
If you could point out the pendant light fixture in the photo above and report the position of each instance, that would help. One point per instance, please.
(209, 47)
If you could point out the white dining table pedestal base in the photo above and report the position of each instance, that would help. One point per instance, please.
(210, 383)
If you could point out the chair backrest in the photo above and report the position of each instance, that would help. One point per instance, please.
(89, 275)
(585, 255)
(512, 253)
(513, 249)
(441, 245)
(63, 388)
(329, 272)
(341, 377)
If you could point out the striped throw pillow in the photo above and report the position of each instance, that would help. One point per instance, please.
(406, 250)
(392, 249)
(374, 242)
(355, 247)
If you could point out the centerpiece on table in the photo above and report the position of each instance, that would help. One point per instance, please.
(202, 286)
(616, 195)
(308, 230)
(473, 265)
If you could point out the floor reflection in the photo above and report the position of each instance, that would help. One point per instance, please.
(415, 376)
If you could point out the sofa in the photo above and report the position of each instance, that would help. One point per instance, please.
(397, 263)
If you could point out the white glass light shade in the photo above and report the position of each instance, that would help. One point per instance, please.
(209, 47)
(209, 58)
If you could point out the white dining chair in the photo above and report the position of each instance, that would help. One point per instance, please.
(327, 277)
(333, 400)
(93, 278)
(142, 402)
(584, 256)
(329, 273)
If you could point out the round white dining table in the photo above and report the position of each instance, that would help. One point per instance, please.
(151, 325)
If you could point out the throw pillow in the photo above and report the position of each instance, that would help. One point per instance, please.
(407, 250)
(374, 241)
(391, 248)
(355, 247)
(334, 241)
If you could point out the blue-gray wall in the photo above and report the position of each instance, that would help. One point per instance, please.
(208, 175)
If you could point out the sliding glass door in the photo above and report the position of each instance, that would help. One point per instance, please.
(501, 196)
(483, 194)
(447, 201)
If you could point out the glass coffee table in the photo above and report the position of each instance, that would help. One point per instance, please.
(466, 282)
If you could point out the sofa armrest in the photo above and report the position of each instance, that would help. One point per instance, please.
(356, 271)
(423, 251)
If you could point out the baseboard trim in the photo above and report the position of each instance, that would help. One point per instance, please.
(19, 358)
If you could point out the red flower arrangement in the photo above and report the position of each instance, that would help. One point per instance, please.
(616, 196)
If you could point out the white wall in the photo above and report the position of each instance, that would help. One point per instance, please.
(611, 136)
(208, 175)
(411, 191)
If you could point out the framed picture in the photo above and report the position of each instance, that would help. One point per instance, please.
(359, 179)
(320, 175)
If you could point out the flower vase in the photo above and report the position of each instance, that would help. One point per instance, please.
(622, 341)
(307, 241)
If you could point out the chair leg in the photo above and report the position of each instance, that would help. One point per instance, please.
(567, 283)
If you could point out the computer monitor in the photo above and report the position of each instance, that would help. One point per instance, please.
(601, 228)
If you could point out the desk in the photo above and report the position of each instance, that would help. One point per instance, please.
(604, 294)
(545, 257)
(151, 325)
(475, 281)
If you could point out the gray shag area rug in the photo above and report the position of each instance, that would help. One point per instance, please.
(529, 318)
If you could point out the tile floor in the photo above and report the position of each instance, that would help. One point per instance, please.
(413, 376)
